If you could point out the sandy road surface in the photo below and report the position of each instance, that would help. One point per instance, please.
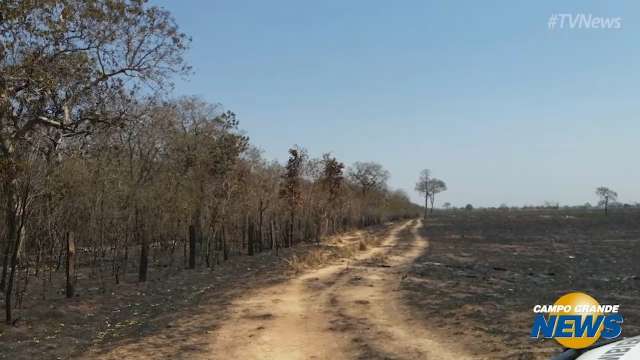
(344, 311)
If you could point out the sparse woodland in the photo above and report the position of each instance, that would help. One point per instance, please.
(107, 174)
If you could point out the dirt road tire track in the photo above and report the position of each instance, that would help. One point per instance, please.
(343, 311)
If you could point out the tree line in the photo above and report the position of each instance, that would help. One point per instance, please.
(103, 172)
(429, 187)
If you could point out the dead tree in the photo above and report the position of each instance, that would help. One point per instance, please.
(606, 195)
(71, 264)
(192, 247)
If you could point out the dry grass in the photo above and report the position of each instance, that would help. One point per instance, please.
(345, 251)
(378, 260)
(337, 247)
(483, 269)
(312, 259)
(340, 246)
(362, 246)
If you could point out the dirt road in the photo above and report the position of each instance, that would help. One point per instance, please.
(349, 310)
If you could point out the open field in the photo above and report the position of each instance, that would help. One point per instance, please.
(484, 271)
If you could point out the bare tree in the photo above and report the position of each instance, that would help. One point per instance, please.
(606, 195)
(429, 187)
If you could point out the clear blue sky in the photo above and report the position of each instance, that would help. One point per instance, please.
(481, 92)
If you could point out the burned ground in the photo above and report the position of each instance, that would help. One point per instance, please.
(172, 312)
(485, 270)
(469, 287)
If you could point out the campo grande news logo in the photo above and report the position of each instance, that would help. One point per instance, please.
(576, 321)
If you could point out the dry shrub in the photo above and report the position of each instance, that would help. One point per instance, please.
(371, 239)
(362, 246)
(312, 259)
(378, 260)
(346, 251)
(335, 247)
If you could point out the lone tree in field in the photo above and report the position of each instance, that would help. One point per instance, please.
(62, 65)
(422, 187)
(606, 195)
(429, 187)
(435, 186)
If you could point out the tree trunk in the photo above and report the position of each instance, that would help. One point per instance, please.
(9, 289)
(225, 251)
(195, 232)
(291, 228)
(250, 238)
(192, 247)
(426, 205)
(274, 237)
(433, 200)
(260, 224)
(141, 237)
(5, 264)
(125, 260)
(185, 258)
(71, 264)
(14, 237)
(207, 250)
(144, 259)
(272, 233)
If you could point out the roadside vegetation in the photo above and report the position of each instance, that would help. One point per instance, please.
(107, 177)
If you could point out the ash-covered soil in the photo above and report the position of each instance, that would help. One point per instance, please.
(484, 271)
(169, 316)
